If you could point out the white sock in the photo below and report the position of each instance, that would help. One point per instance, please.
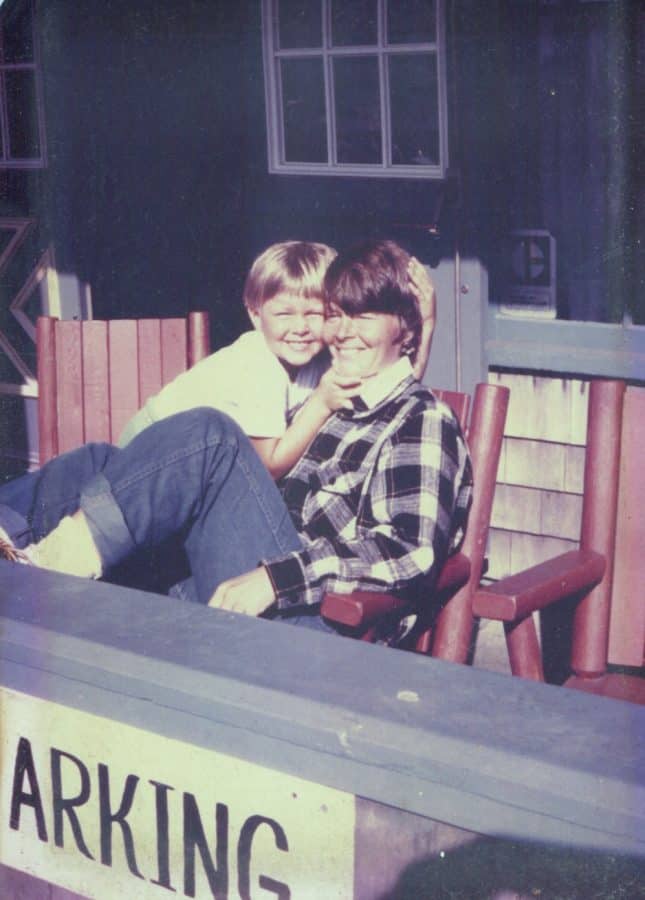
(69, 549)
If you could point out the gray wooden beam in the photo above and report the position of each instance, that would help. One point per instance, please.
(474, 749)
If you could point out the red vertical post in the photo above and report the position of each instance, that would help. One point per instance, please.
(627, 618)
(46, 368)
(454, 624)
(524, 651)
(199, 339)
(598, 532)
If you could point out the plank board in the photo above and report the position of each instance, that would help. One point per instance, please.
(69, 381)
(148, 345)
(96, 394)
(173, 348)
(124, 374)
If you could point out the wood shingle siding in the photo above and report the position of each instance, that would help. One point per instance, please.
(538, 500)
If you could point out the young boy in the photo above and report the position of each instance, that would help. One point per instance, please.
(267, 374)
(275, 381)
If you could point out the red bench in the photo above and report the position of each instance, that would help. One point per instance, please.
(94, 375)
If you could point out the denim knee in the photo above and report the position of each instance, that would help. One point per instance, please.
(213, 424)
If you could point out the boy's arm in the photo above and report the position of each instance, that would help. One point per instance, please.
(281, 454)
(424, 291)
(141, 420)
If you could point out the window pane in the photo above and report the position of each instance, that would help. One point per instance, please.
(303, 106)
(415, 109)
(353, 22)
(17, 37)
(358, 110)
(21, 114)
(299, 24)
(411, 21)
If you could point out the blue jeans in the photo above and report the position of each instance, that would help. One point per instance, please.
(194, 476)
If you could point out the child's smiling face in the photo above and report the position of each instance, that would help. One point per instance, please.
(292, 326)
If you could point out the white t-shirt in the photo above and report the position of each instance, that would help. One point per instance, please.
(245, 380)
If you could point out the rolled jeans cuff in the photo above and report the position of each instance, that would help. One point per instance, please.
(105, 521)
(16, 526)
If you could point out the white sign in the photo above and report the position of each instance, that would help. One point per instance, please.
(109, 810)
(532, 286)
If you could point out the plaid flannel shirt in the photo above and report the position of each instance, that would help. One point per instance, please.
(380, 497)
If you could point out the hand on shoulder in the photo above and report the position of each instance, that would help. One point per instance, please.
(423, 289)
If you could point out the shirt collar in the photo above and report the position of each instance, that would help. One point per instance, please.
(379, 387)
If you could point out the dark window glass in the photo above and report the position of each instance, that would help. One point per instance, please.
(17, 35)
(414, 109)
(353, 23)
(358, 110)
(411, 21)
(303, 103)
(20, 86)
(299, 24)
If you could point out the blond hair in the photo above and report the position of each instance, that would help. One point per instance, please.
(291, 267)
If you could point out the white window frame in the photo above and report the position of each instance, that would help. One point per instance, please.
(6, 160)
(275, 125)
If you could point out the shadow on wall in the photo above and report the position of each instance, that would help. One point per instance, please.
(495, 869)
